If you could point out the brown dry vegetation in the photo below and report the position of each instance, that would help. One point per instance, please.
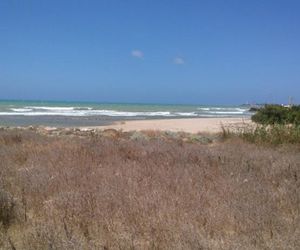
(146, 192)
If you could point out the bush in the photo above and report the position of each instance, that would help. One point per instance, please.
(277, 114)
(271, 114)
(294, 115)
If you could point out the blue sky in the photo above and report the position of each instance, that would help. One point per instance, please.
(156, 51)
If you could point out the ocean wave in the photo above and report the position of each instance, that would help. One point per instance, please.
(127, 113)
(186, 114)
(70, 112)
(203, 108)
(223, 108)
(89, 111)
(21, 109)
(226, 112)
(51, 108)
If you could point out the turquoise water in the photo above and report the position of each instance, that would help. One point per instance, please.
(86, 109)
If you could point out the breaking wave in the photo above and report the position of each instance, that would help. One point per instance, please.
(94, 111)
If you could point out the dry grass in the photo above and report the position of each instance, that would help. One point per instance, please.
(146, 192)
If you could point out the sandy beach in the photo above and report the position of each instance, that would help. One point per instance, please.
(190, 125)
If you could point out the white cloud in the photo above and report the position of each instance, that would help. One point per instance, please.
(137, 53)
(178, 60)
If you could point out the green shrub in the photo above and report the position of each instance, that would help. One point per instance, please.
(277, 114)
(294, 115)
(271, 114)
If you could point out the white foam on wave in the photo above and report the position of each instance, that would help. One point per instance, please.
(203, 109)
(70, 112)
(186, 114)
(127, 113)
(118, 113)
(50, 108)
(88, 111)
(223, 108)
(21, 109)
(226, 112)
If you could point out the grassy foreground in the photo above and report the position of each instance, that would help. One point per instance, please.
(147, 191)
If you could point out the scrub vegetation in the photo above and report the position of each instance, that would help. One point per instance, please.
(147, 190)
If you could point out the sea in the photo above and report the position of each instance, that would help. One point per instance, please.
(23, 113)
